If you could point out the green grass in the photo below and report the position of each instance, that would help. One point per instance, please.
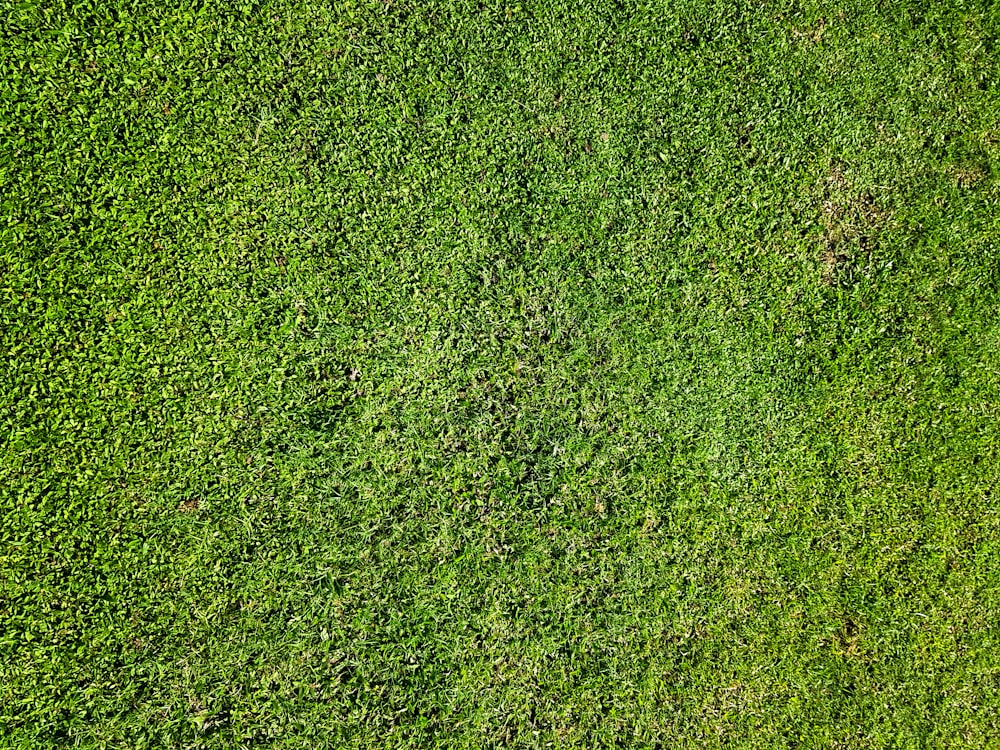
(460, 374)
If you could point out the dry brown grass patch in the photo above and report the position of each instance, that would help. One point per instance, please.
(852, 221)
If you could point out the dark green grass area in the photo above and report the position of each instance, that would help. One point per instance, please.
(533, 374)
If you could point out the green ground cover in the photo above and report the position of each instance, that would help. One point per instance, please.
(486, 374)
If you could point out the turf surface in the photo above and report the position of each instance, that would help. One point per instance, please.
(472, 374)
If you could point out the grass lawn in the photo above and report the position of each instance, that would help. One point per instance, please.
(528, 374)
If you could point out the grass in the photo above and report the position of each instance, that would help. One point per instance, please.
(542, 374)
